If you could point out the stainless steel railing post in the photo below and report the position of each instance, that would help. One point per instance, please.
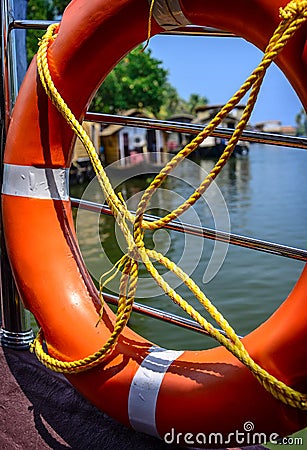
(15, 320)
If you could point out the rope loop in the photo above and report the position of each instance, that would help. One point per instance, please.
(293, 15)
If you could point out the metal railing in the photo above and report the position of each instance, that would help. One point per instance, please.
(249, 136)
(15, 329)
(15, 326)
(206, 233)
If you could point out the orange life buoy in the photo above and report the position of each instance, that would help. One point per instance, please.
(155, 390)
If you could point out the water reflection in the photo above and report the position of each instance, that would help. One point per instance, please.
(185, 250)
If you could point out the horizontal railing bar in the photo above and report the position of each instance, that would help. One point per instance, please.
(190, 30)
(32, 24)
(207, 233)
(164, 125)
(162, 315)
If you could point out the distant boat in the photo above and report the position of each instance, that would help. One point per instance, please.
(213, 147)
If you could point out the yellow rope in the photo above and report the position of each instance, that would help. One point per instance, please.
(293, 15)
(152, 4)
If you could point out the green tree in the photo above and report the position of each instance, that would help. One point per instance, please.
(172, 102)
(59, 6)
(194, 101)
(42, 10)
(138, 81)
(301, 122)
(37, 10)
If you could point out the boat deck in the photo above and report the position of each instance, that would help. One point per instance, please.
(41, 410)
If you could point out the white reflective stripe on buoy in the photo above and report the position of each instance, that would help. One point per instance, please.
(36, 182)
(144, 389)
(168, 14)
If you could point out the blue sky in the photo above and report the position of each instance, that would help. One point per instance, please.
(216, 67)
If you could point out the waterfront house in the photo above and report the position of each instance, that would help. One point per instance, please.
(131, 145)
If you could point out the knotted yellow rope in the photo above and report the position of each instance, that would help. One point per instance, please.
(293, 15)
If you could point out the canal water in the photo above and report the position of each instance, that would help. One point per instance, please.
(263, 196)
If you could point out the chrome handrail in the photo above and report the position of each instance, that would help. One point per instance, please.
(164, 125)
(15, 331)
(31, 24)
(206, 233)
(189, 30)
(155, 313)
